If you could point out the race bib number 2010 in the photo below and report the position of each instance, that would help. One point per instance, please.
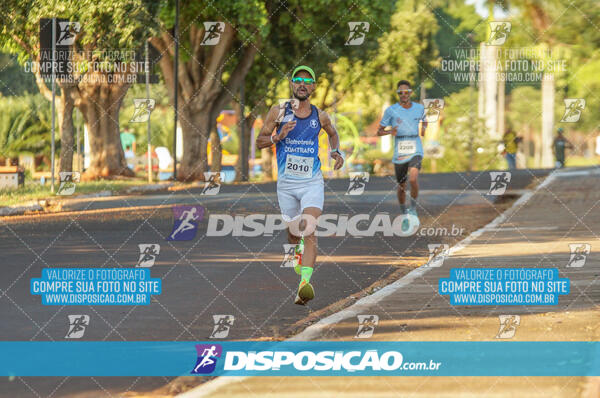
(299, 166)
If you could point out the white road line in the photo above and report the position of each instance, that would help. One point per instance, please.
(499, 229)
(562, 173)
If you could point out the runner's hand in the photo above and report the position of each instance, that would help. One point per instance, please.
(339, 160)
(286, 129)
(394, 131)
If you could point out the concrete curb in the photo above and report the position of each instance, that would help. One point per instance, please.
(40, 204)
(18, 210)
(150, 187)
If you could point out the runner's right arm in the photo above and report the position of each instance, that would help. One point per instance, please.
(386, 122)
(266, 138)
(382, 131)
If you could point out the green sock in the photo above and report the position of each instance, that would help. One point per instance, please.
(306, 273)
(413, 203)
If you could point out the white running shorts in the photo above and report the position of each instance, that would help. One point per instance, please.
(296, 195)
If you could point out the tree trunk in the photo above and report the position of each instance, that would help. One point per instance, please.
(216, 151)
(67, 129)
(65, 104)
(537, 149)
(528, 142)
(100, 107)
(501, 107)
(99, 104)
(242, 172)
(201, 90)
(194, 162)
(490, 89)
(547, 119)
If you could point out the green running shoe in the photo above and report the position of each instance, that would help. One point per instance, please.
(305, 293)
(405, 224)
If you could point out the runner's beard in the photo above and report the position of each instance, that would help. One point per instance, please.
(403, 102)
(301, 98)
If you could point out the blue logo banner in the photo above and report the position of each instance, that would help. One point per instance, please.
(295, 358)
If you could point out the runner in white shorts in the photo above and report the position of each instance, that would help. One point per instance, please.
(300, 188)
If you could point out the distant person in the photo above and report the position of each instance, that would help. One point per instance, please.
(558, 147)
(511, 144)
(129, 157)
(406, 119)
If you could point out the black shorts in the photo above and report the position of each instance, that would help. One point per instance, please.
(402, 169)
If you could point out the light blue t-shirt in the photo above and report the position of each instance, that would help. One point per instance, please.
(407, 143)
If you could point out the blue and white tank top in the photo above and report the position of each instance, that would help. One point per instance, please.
(298, 152)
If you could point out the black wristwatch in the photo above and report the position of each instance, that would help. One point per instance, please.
(335, 150)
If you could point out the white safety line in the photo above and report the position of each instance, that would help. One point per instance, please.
(595, 170)
(500, 229)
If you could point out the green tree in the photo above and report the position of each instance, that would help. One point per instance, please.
(525, 118)
(465, 149)
(405, 50)
(280, 34)
(209, 75)
(161, 122)
(24, 125)
(268, 79)
(551, 25)
(13, 80)
(460, 28)
(97, 92)
(584, 82)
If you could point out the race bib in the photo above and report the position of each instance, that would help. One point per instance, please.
(299, 166)
(407, 147)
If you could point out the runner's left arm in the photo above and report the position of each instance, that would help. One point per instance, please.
(334, 139)
(423, 124)
(569, 145)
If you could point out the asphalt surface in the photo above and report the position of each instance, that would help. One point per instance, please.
(239, 276)
(538, 232)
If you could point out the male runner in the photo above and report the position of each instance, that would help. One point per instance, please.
(558, 147)
(404, 118)
(511, 145)
(300, 187)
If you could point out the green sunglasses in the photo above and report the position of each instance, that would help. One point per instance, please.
(305, 80)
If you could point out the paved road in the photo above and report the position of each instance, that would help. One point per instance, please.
(240, 276)
(536, 233)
